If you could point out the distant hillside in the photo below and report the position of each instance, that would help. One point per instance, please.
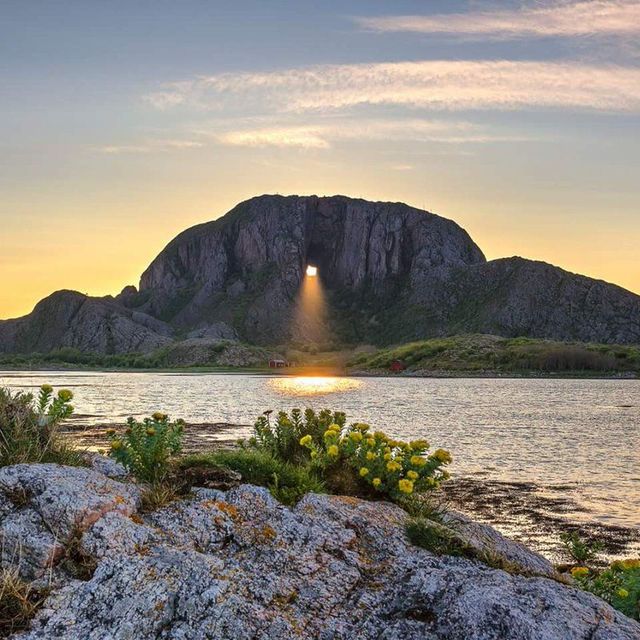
(390, 273)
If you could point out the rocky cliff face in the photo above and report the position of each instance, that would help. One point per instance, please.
(95, 325)
(246, 268)
(389, 273)
(237, 564)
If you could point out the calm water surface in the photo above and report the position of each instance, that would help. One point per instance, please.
(577, 438)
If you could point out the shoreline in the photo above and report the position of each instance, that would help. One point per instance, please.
(314, 371)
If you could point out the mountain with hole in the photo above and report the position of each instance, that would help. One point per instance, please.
(385, 273)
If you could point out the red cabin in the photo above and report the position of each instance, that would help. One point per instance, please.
(396, 366)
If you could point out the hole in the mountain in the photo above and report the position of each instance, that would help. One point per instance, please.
(312, 271)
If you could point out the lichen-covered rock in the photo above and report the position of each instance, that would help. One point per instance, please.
(50, 505)
(105, 465)
(237, 564)
(488, 543)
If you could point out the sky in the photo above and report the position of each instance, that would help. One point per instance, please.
(123, 123)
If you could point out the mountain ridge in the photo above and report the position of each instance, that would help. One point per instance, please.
(391, 273)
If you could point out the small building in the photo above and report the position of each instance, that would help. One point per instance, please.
(397, 366)
(278, 364)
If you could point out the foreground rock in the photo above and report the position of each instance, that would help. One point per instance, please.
(239, 565)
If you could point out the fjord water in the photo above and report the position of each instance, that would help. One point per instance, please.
(579, 439)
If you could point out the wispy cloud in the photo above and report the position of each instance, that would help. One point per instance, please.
(324, 136)
(435, 84)
(586, 18)
(151, 146)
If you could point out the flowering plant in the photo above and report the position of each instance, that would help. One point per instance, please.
(146, 447)
(392, 467)
(619, 585)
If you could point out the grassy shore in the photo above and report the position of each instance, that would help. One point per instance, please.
(455, 356)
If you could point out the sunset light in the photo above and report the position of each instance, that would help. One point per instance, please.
(312, 271)
(313, 385)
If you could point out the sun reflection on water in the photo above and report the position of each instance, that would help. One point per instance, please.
(313, 385)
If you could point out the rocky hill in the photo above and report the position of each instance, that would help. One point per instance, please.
(390, 273)
(237, 564)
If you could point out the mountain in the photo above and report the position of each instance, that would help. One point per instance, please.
(389, 273)
(67, 319)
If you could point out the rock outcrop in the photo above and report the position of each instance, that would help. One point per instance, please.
(390, 273)
(237, 564)
(68, 319)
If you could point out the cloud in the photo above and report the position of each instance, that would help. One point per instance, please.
(323, 135)
(586, 18)
(434, 84)
(151, 146)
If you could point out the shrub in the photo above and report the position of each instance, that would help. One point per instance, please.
(146, 447)
(29, 429)
(281, 438)
(619, 585)
(389, 467)
(579, 550)
(287, 482)
(351, 459)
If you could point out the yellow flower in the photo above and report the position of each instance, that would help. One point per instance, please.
(116, 444)
(412, 475)
(361, 426)
(333, 451)
(371, 442)
(623, 593)
(419, 444)
(376, 482)
(387, 456)
(151, 431)
(579, 572)
(393, 466)
(65, 395)
(314, 454)
(417, 461)
(158, 416)
(356, 436)
(379, 435)
(405, 486)
(47, 388)
(371, 455)
(442, 456)
(335, 427)
(329, 434)
(111, 432)
(305, 441)
(364, 472)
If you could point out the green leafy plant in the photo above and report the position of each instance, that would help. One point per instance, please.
(578, 549)
(281, 437)
(29, 428)
(287, 482)
(146, 447)
(351, 459)
(619, 585)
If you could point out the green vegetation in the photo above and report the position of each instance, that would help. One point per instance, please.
(619, 585)
(287, 482)
(434, 537)
(462, 355)
(146, 447)
(300, 452)
(579, 550)
(492, 354)
(29, 428)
